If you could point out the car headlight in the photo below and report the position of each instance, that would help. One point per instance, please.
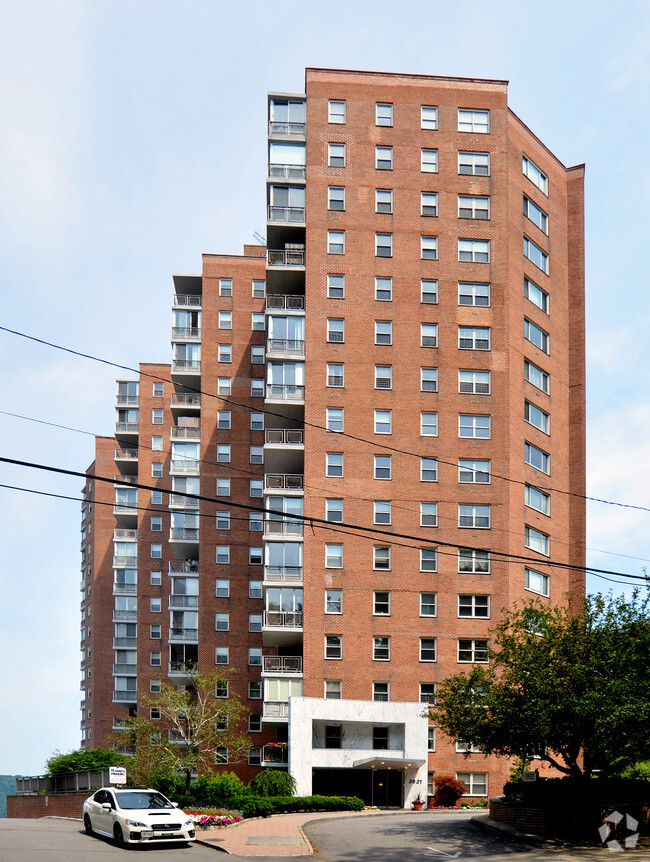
(135, 823)
(188, 823)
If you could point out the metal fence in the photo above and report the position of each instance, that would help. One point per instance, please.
(66, 782)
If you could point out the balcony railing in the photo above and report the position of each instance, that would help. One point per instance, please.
(185, 433)
(181, 567)
(285, 257)
(186, 333)
(282, 664)
(177, 634)
(124, 643)
(125, 589)
(283, 619)
(184, 465)
(186, 300)
(275, 709)
(184, 534)
(186, 366)
(124, 509)
(273, 754)
(183, 668)
(125, 562)
(183, 602)
(125, 480)
(127, 400)
(123, 669)
(284, 436)
(180, 501)
(284, 481)
(126, 427)
(287, 172)
(283, 574)
(291, 215)
(286, 301)
(125, 696)
(119, 723)
(287, 130)
(125, 535)
(285, 346)
(186, 399)
(120, 616)
(285, 392)
(283, 528)
(126, 454)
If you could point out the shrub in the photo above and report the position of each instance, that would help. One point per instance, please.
(263, 806)
(273, 782)
(85, 758)
(448, 791)
(223, 789)
(640, 771)
(204, 818)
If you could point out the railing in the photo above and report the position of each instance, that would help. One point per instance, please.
(124, 643)
(125, 562)
(123, 669)
(119, 723)
(180, 501)
(124, 509)
(186, 333)
(122, 535)
(184, 567)
(183, 634)
(82, 684)
(65, 782)
(273, 754)
(283, 528)
(184, 534)
(284, 436)
(285, 346)
(283, 574)
(285, 391)
(275, 709)
(185, 432)
(125, 480)
(185, 366)
(294, 215)
(284, 481)
(287, 130)
(120, 616)
(287, 172)
(125, 696)
(126, 427)
(284, 257)
(185, 465)
(127, 400)
(282, 664)
(126, 454)
(183, 602)
(283, 619)
(186, 399)
(287, 301)
(187, 299)
(182, 667)
(125, 589)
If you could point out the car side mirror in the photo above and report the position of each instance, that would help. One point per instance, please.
(106, 806)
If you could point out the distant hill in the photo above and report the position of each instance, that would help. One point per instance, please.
(7, 788)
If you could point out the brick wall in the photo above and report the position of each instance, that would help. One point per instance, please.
(56, 805)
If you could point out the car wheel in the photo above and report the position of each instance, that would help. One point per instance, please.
(118, 835)
(88, 825)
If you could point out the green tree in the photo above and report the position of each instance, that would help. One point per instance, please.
(83, 759)
(196, 731)
(569, 686)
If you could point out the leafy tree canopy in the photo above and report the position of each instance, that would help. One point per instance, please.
(83, 759)
(570, 686)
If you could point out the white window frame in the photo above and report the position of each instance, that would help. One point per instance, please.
(536, 255)
(225, 287)
(428, 603)
(474, 120)
(536, 376)
(474, 381)
(429, 117)
(221, 655)
(474, 207)
(428, 247)
(470, 467)
(428, 379)
(335, 419)
(381, 512)
(383, 288)
(477, 647)
(429, 291)
(537, 540)
(535, 174)
(336, 154)
(383, 158)
(474, 561)
(334, 379)
(383, 421)
(474, 293)
(428, 653)
(475, 426)
(428, 335)
(428, 514)
(384, 201)
(384, 114)
(378, 467)
(537, 417)
(384, 338)
(383, 244)
(381, 603)
(428, 161)
(429, 204)
(336, 330)
(535, 294)
(333, 556)
(428, 424)
(383, 376)
(474, 516)
(336, 198)
(336, 111)
(333, 647)
(530, 457)
(473, 606)
(536, 214)
(474, 338)
(336, 242)
(531, 499)
(473, 164)
(336, 285)
(536, 582)
(381, 558)
(381, 648)
(332, 464)
(474, 250)
(428, 469)
(334, 601)
(537, 336)
(225, 320)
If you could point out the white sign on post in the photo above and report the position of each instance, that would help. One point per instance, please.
(117, 774)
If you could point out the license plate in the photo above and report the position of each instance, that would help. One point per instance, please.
(146, 833)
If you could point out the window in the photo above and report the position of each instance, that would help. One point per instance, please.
(428, 379)
(477, 782)
(383, 331)
(333, 646)
(429, 161)
(225, 320)
(155, 605)
(221, 655)
(257, 421)
(225, 287)
(156, 524)
(334, 511)
(223, 520)
(381, 559)
(535, 375)
(428, 514)
(156, 444)
(155, 579)
(428, 117)
(536, 215)
(335, 374)
(255, 756)
(384, 158)
(383, 245)
(537, 417)
(381, 510)
(536, 582)
(334, 464)
(223, 487)
(381, 649)
(258, 288)
(335, 329)
(431, 739)
(474, 250)
(257, 321)
(475, 516)
(429, 203)
(428, 335)
(428, 291)
(223, 588)
(333, 736)
(428, 604)
(474, 472)
(255, 622)
(334, 419)
(428, 469)
(474, 607)
(157, 416)
(537, 336)
(473, 337)
(335, 286)
(474, 382)
(537, 541)
(381, 691)
(333, 689)
(537, 499)
(536, 255)
(158, 390)
(383, 200)
(381, 738)
(336, 242)
(154, 633)
(333, 556)
(472, 293)
(154, 686)
(254, 655)
(335, 197)
(470, 206)
(427, 649)
(472, 120)
(471, 425)
(156, 552)
(428, 693)
(254, 589)
(255, 522)
(336, 111)
(384, 289)
(383, 421)
(257, 354)
(428, 560)
(336, 155)
(223, 452)
(381, 604)
(382, 466)
(536, 295)
(255, 487)
(333, 601)
(535, 174)
(383, 376)
(224, 385)
(222, 622)
(429, 424)
(472, 650)
(255, 690)
(256, 455)
(537, 458)
(224, 419)
(429, 247)
(473, 561)
(223, 554)
(383, 114)
(254, 556)
(474, 164)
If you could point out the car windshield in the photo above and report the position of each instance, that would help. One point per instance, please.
(142, 800)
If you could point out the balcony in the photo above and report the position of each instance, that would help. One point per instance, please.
(119, 723)
(125, 616)
(291, 347)
(180, 501)
(129, 455)
(283, 574)
(284, 437)
(286, 129)
(125, 480)
(283, 481)
(184, 534)
(127, 401)
(126, 427)
(82, 685)
(282, 664)
(186, 366)
(183, 567)
(176, 634)
(287, 172)
(125, 509)
(181, 467)
(182, 432)
(283, 619)
(123, 669)
(186, 333)
(186, 400)
(283, 528)
(284, 392)
(285, 301)
(286, 215)
(124, 589)
(275, 710)
(285, 258)
(181, 602)
(125, 696)
(187, 300)
(125, 535)
(182, 668)
(130, 562)
(125, 643)
(275, 755)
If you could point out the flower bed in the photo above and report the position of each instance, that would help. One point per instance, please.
(205, 818)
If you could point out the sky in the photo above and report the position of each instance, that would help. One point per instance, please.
(132, 140)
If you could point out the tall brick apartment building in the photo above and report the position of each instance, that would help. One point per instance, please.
(403, 365)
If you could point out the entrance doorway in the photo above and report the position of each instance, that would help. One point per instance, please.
(387, 788)
(380, 787)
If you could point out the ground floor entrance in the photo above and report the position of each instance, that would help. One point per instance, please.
(381, 787)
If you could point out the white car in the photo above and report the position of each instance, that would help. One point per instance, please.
(131, 816)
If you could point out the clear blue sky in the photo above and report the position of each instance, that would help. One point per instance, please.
(133, 139)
